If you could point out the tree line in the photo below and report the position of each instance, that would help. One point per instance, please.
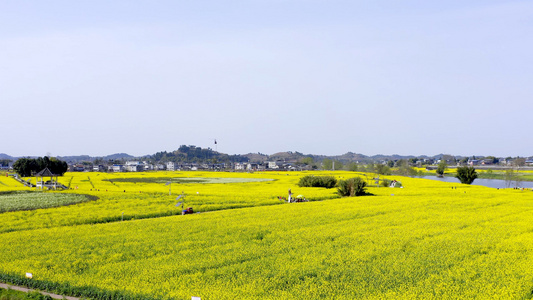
(26, 167)
(196, 154)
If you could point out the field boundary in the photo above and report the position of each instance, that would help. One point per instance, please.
(27, 290)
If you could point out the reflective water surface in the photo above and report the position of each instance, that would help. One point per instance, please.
(493, 183)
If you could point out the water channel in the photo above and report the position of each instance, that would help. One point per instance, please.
(492, 183)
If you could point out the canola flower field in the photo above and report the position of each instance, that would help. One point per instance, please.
(427, 240)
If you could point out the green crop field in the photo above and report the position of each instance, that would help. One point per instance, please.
(17, 200)
(16, 295)
(427, 240)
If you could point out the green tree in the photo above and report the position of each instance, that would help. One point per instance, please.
(492, 159)
(307, 160)
(25, 166)
(353, 167)
(5, 162)
(56, 166)
(382, 169)
(519, 162)
(404, 169)
(512, 176)
(466, 175)
(441, 168)
(28, 166)
(327, 164)
(509, 176)
(338, 165)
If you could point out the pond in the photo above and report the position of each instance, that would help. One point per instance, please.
(492, 183)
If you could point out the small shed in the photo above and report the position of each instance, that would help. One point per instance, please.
(51, 184)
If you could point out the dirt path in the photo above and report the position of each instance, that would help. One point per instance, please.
(26, 290)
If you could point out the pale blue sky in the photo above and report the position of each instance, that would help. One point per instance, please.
(320, 77)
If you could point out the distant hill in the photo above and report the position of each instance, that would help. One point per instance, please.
(5, 156)
(286, 156)
(81, 158)
(77, 158)
(351, 157)
(293, 157)
(200, 155)
(116, 156)
(391, 157)
(256, 157)
(193, 154)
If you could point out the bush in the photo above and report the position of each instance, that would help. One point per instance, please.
(352, 187)
(318, 181)
(466, 175)
(385, 183)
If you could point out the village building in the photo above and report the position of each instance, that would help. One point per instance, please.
(272, 165)
(116, 168)
(171, 166)
(133, 166)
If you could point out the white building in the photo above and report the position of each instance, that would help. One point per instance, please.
(171, 166)
(117, 168)
(133, 166)
(272, 165)
(147, 166)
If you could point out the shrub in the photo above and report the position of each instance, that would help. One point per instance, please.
(318, 181)
(466, 175)
(351, 187)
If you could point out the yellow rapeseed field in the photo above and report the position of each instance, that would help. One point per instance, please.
(427, 240)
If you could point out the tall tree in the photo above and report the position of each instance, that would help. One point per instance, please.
(509, 177)
(327, 164)
(441, 168)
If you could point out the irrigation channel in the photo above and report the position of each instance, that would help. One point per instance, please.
(492, 183)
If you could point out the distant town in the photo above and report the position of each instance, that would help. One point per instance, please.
(192, 158)
(137, 166)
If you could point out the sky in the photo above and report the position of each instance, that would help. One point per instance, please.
(313, 76)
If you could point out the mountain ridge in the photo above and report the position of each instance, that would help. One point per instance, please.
(286, 156)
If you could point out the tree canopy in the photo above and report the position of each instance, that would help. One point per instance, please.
(442, 167)
(29, 166)
(196, 154)
(466, 175)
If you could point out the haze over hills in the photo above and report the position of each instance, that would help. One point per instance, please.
(196, 153)
(77, 158)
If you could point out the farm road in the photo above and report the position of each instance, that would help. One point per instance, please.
(26, 290)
